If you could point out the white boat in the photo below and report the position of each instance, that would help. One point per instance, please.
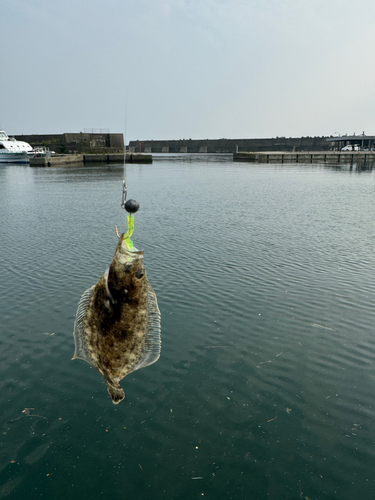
(42, 151)
(13, 151)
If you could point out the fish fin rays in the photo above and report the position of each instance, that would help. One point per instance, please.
(81, 351)
(152, 346)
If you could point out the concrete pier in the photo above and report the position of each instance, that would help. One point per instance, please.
(306, 157)
(55, 161)
(138, 158)
(58, 160)
(111, 158)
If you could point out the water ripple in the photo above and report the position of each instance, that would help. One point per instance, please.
(265, 384)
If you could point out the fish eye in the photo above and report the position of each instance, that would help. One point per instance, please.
(127, 268)
(139, 274)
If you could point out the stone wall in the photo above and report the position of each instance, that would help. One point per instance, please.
(231, 145)
(72, 143)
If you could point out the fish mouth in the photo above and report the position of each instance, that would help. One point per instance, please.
(126, 253)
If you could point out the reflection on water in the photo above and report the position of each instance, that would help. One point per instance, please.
(265, 280)
(354, 167)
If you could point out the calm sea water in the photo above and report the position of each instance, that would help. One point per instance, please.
(265, 389)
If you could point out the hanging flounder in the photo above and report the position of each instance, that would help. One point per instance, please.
(117, 327)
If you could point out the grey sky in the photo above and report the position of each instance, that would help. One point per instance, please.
(179, 69)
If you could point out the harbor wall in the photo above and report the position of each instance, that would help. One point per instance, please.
(231, 145)
(77, 143)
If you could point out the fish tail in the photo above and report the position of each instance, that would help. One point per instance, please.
(116, 392)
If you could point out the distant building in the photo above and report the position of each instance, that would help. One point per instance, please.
(363, 141)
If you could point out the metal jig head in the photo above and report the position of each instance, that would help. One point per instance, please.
(131, 206)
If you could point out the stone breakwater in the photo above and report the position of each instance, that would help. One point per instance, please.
(230, 145)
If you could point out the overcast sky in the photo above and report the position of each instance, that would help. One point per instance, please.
(180, 69)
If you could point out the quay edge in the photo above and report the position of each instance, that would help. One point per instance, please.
(138, 158)
(59, 160)
(305, 157)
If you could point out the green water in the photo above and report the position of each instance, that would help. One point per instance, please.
(265, 388)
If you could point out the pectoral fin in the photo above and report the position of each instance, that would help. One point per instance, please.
(81, 351)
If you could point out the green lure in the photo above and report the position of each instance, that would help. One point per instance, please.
(129, 232)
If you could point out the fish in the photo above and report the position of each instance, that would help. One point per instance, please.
(117, 329)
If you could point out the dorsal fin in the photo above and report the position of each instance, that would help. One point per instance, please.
(81, 350)
(152, 346)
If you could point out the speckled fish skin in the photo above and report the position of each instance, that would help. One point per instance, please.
(113, 321)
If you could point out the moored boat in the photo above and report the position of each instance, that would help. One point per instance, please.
(13, 151)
